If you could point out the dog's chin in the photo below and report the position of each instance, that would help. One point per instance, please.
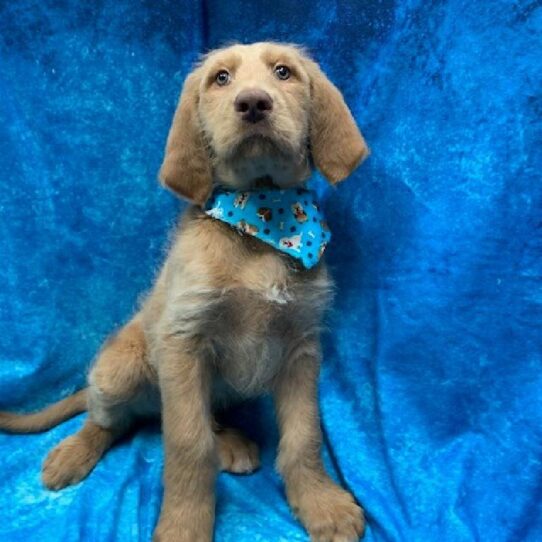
(257, 157)
(258, 144)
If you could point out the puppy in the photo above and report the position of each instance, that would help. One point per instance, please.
(245, 227)
(299, 212)
(241, 199)
(229, 316)
(265, 214)
(293, 242)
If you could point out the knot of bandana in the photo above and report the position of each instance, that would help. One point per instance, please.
(287, 219)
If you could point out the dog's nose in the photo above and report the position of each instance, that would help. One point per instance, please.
(253, 105)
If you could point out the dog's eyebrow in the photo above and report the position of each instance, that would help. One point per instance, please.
(228, 62)
(272, 57)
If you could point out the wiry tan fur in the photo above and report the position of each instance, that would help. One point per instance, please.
(229, 317)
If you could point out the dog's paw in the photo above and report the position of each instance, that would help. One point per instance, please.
(67, 464)
(330, 515)
(236, 453)
(166, 534)
(179, 526)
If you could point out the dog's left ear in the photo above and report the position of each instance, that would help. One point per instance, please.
(337, 146)
(186, 168)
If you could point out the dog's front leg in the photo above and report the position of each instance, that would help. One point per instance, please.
(187, 513)
(328, 512)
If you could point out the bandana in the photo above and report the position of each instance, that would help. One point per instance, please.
(287, 219)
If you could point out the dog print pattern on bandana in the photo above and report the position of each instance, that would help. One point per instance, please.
(287, 219)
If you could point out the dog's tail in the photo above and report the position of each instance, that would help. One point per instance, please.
(47, 418)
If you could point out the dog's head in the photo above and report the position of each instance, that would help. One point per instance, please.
(258, 113)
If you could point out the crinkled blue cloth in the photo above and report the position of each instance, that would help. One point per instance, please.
(431, 391)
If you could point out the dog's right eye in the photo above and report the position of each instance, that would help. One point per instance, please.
(222, 78)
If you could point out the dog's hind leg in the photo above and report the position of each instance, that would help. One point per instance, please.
(236, 453)
(74, 458)
(120, 384)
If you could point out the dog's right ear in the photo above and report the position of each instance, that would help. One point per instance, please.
(186, 169)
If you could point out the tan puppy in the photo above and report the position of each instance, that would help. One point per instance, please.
(229, 316)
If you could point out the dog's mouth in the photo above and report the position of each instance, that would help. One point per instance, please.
(259, 155)
(261, 140)
(257, 143)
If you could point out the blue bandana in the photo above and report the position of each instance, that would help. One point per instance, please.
(289, 220)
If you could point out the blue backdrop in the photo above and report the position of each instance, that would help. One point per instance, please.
(432, 387)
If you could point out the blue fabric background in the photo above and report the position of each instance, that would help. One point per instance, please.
(431, 392)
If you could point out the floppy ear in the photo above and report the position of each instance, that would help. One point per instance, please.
(337, 145)
(186, 168)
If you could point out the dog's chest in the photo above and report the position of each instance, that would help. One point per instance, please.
(254, 331)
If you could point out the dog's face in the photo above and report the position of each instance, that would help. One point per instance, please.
(254, 109)
(254, 114)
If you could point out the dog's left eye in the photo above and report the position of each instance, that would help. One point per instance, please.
(282, 72)
(222, 78)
